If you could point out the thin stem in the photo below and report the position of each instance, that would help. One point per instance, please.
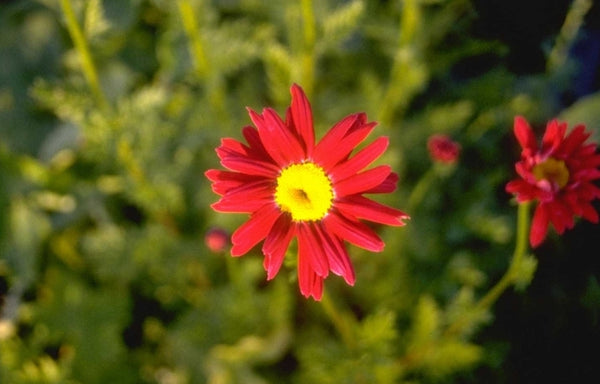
(202, 65)
(308, 54)
(414, 358)
(509, 276)
(190, 25)
(400, 87)
(87, 63)
(341, 320)
(520, 249)
(568, 32)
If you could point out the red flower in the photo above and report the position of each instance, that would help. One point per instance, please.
(216, 239)
(294, 188)
(558, 175)
(443, 149)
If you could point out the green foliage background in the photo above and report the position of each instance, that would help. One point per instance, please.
(109, 114)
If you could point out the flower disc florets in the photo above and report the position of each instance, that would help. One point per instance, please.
(304, 190)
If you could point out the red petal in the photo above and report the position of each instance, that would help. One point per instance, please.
(254, 230)
(251, 166)
(524, 133)
(256, 145)
(246, 198)
(276, 244)
(284, 138)
(302, 118)
(341, 150)
(524, 170)
(560, 215)
(231, 147)
(574, 140)
(353, 231)
(388, 186)
(308, 240)
(337, 255)
(277, 139)
(586, 174)
(223, 181)
(367, 209)
(310, 284)
(589, 213)
(523, 190)
(363, 181)
(361, 160)
(588, 191)
(338, 131)
(553, 136)
(539, 226)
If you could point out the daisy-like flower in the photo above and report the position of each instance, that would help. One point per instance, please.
(294, 188)
(558, 174)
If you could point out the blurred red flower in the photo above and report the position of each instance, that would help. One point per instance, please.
(216, 239)
(443, 149)
(558, 174)
(294, 188)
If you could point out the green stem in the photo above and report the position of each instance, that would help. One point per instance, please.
(399, 91)
(509, 276)
(190, 25)
(89, 69)
(415, 357)
(308, 55)
(568, 32)
(202, 66)
(520, 249)
(341, 320)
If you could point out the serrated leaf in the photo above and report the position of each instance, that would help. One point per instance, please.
(450, 356)
(232, 46)
(95, 23)
(278, 66)
(341, 22)
(378, 331)
(524, 271)
(450, 117)
(426, 321)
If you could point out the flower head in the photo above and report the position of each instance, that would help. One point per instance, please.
(558, 174)
(293, 187)
(443, 149)
(216, 239)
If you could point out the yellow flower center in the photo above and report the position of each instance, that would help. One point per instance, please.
(552, 170)
(305, 191)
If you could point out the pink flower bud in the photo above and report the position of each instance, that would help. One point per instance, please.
(217, 240)
(443, 149)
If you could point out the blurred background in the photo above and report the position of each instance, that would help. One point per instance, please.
(114, 269)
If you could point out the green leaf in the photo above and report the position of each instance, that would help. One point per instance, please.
(278, 65)
(95, 22)
(524, 271)
(378, 332)
(426, 322)
(450, 356)
(340, 23)
(28, 229)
